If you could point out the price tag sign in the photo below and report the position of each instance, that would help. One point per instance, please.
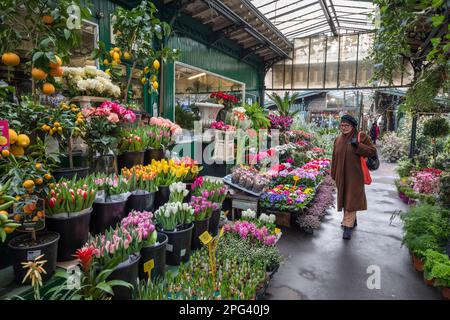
(148, 267)
(277, 230)
(205, 237)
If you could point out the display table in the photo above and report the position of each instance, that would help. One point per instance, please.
(241, 201)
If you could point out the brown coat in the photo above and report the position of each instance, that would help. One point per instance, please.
(347, 172)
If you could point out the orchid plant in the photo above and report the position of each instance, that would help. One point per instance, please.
(174, 214)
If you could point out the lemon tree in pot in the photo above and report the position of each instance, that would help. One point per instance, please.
(175, 220)
(131, 150)
(68, 208)
(110, 202)
(143, 189)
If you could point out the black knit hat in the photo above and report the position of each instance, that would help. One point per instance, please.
(348, 118)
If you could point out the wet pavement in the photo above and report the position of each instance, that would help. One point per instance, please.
(324, 266)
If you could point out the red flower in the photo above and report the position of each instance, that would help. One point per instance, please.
(84, 255)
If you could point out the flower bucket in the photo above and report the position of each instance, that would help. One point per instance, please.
(446, 293)
(127, 271)
(157, 253)
(106, 214)
(150, 154)
(69, 173)
(178, 248)
(73, 231)
(130, 159)
(199, 227)
(24, 249)
(214, 223)
(140, 200)
(162, 196)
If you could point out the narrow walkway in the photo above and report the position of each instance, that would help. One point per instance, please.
(324, 266)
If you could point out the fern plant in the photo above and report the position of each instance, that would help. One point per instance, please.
(257, 115)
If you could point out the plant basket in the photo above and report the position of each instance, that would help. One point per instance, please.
(24, 249)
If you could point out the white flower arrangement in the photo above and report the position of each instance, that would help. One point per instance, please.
(173, 214)
(178, 192)
(88, 81)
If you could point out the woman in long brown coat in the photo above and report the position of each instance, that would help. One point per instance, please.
(346, 171)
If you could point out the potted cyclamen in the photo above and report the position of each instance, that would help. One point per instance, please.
(161, 134)
(202, 214)
(175, 220)
(142, 187)
(131, 150)
(102, 130)
(121, 245)
(68, 207)
(214, 191)
(152, 264)
(109, 204)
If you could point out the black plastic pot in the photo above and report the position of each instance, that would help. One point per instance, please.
(199, 227)
(73, 231)
(214, 223)
(150, 154)
(188, 187)
(69, 173)
(23, 250)
(130, 159)
(178, 248)
(162, 196)
(141, 201)
(106, 214)
(157, 253)
(127, 271)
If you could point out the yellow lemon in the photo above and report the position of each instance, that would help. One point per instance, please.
(155, 85)
(38, 165)
(17, 151)
(116, 49)
(23, 140)
(146, 69)
(105, 62)
(127, 56)
(5, 153)
(153, 79)
(12, 136)
(156, 64)
(28, 184)
(143, 80)
(116, 56)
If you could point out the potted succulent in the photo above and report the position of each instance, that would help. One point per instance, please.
(68, 208)
(131, 150)
(109, 204)
(161, 134)
(203, 210)
(214, 191)
(152, 264)
(65, 124)
(30, 181)
(175, 220)
(142, 187)
(121, 245)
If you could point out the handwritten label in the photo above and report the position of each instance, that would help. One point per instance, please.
(148, 267)
(205, 237)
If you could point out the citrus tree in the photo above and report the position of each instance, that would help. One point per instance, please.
(46, 29)
(137, 33)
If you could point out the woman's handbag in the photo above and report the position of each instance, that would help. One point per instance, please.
(365, 169)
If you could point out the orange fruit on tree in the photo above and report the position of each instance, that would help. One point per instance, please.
(116, 49)
(48, 88)
(10, 59)
(106, 62)
(5, 153)
(23, 140)
(47, 19)
(8, 230)
(17, 151)
(56, 64)
(4, 212)
(27, 184)
(56, 72)
(47, 176)
(38, 181)
(38, 165)
(17, 217)
(12, 136)
(38, 74)
(29, 208)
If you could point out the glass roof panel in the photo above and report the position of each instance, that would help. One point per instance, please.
(299, 18)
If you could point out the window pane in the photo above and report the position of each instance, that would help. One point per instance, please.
(332, 62)
(347, 64)
(278, 72)
(301, 53)
(268, 79)
(364, 67)
(317, 62)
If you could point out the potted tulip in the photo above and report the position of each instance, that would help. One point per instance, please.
(68, 207)
(121, 245)
(203, 210)
(131, 150)
(175, 220)
(152, 264)
(109, 204)
(214, 191)
(142, 187)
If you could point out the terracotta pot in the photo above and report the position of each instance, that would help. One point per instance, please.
(428, 282)
(418, 263)
(446, 293)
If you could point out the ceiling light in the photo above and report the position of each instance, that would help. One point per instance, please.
(197, 76)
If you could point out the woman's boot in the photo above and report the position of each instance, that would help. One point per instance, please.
(347, 233)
